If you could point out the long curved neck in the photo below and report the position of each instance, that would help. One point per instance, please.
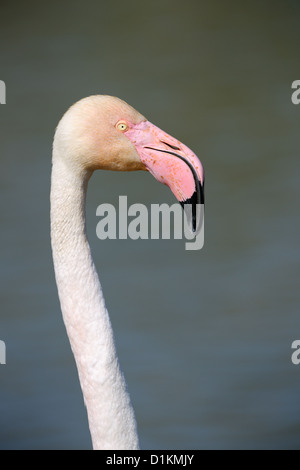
(111, 418)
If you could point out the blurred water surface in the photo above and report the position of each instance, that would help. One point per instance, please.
(204, 337)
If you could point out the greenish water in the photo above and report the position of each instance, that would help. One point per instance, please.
(204, 337)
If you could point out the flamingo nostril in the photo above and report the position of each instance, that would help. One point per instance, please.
(169, 145)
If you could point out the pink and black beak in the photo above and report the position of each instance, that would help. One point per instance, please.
(172, 163)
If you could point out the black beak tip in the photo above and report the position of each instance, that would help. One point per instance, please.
(196, 199)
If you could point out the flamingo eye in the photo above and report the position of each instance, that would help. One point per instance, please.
(122, 126)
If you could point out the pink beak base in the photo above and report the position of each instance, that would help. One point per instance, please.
(170, 162)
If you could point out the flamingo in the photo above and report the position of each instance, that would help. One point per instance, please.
(104, 132)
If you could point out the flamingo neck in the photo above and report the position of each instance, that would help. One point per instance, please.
(111, 417)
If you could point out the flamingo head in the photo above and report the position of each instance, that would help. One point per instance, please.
(104, 132)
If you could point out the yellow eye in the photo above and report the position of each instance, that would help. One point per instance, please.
(122, 126)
